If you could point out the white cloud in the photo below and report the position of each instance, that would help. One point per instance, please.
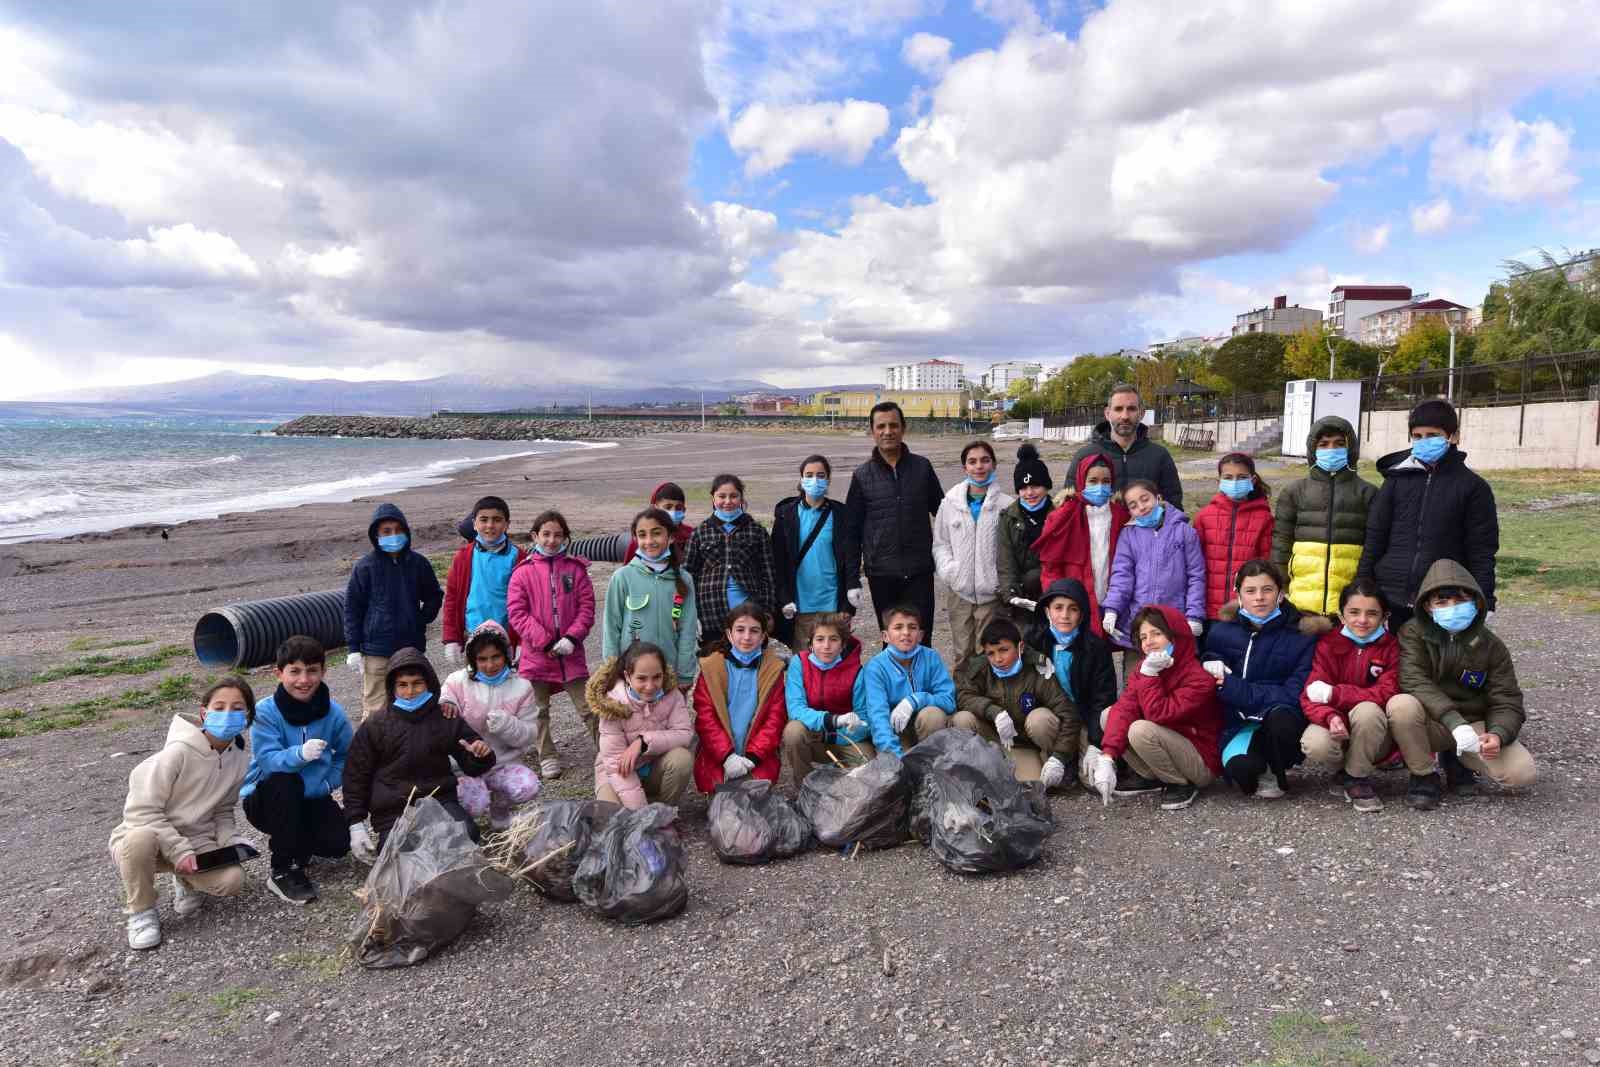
(1506, 159)
(1371, 239)
(926, 53)
(769, 136)
(746, 233)
(338, 261)
(1017, 14)
(1435, 216)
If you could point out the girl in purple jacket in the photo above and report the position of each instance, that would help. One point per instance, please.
(1158, 561)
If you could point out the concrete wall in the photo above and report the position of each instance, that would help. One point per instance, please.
(1230, 434)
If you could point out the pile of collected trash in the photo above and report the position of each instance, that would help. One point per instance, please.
(751, 823)
(968, 807)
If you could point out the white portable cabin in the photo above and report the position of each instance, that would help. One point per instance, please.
(1309, 399)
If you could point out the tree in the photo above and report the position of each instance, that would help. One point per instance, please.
(1540, 310)
(1252, 362)
(1306, 356)
(1427, 346)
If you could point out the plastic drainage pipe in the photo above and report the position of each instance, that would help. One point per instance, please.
(248, 635)
(607, 548)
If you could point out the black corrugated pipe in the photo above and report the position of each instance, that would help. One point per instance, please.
(606, 548)
(248, 635)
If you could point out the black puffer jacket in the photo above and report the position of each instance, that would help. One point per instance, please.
(891, 513)
(1143, 459)
(1423, 515)
(1093, 679)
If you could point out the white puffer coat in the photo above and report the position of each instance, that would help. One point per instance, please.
(966, 554)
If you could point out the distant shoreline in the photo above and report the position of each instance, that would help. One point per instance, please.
(602, 427)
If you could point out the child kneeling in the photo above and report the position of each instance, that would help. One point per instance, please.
(819, 690)
(403, 754)
(499, 706)
(1004, 698)
(739, 705)
(180, 804)
(646, 728)
(905, 692)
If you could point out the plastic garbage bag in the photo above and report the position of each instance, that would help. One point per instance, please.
(633, 870)
(970, 810)
(751, 823)
(423, 890)
(545, 846)
(865, 805)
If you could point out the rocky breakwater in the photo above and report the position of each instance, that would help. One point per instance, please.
(485, 428)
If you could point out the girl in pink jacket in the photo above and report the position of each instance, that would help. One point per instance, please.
(498, 705)
(645, 729)
(551, 605)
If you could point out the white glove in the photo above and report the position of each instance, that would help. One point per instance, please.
(497, 720)
(1319, 692)
(847, 723)
(1105, 777)
(1025, 605)
(1155, 663)
(736, 766)
(1216, 668)
(1195, 627)
(901, 715)
(452, 654)
(361, 843)
(1006, 729)
(312, 750)
(1488, 618)
(563, 647)
(1052, 773)
(1047, 669)
(353, 661)
(1086, 762)
(1467, 739)
(1108, 622)
(854, 596)
(790, 611)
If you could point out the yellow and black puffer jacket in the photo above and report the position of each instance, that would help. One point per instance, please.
(1320, 524)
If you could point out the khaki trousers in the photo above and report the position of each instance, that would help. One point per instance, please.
(139, 860)
(967, 621)
(542, 692)
(666, 783)
(803, 749)
(374, 696)
(1419, 735)
(1035, 742)
(1157, 752)
(924, 724)
(1359, 754)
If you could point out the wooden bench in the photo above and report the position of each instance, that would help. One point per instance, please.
(1197, 439)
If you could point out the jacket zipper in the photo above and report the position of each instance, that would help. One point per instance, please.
(1327, 555)
(1416, 542)
(1244, 668)
(1233, 524)
(555, 613)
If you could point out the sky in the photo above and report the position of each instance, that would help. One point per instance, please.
(681, 191)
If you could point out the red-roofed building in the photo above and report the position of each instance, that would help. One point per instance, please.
(1349, 304)
(1389, 325)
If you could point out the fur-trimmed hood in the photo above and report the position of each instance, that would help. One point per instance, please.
(607, 692)
(1309, 624)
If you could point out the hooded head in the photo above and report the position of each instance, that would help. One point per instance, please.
(1333, 424)
(1070, 588)
(1030, 469)
(1177, 627)
(1080, 476)
(1447, 574)
(382, 512)
(488, 632)
(409, 659)
(607, 689)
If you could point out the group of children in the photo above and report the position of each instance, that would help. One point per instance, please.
(1251, 642)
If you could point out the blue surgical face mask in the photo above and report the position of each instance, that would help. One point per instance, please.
(745, 658)
(1430, 449)
(393, 542)
(980, 483)
(675, 514)
(1236, 488)
(814, 487)
(1455, 617)
(633, 695)
(413, 703)
(823, 664)
(1333, 459)
(1065, 638)
(1009, 672)
(1151, 519)
(1367, 640)
(1097, 494)
(727, 516)
(659, 557)
(491, 545)
(1034, 507)
(1261, 620)
(495, 679)
(224, 725)
(550, 553)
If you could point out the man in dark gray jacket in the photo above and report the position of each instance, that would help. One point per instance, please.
(1125, 441)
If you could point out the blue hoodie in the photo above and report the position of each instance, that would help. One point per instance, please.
(390, 599)
(883, 683)
(275, 748)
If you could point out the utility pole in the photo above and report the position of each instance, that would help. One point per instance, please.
(702, 411)
(1329, 343)
(591, 405)
(1450, 382)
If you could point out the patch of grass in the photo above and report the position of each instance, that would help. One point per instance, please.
(1300, 1039)
(95, 644)
(441, 565)
(17, 722)
(1550, 556)
(229, 1000)
(1518, 488)
(318, 964)
(100, 665)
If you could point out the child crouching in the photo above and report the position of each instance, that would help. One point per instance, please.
(646, 728)
(1002, 697)
(499, 706)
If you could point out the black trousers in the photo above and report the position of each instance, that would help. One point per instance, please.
(1275, 747)
(297, 826)
(916, 592)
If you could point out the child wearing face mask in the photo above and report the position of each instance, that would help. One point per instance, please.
(739, 704)
(1234, 527)
(552, 606)
(1259, 654)
(180, 806)
(1459, 690)
(669, 498)
(646, 728)
(650, 599)
(1002, 697)
(499, 706)
(730, 556)
(815, 557)
(966, 548)
(1066, 650)
(1158, 561)
(1321, 519)
(476, 588)
(389, 601)
(819, 687)
(1020, 526)
(1079, 539)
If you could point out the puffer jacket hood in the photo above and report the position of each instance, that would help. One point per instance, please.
(1448, 574)
(409, 659)
(388, 511)
(1070, 588)
(1308, 623)
(1183, 643)
(599, 689)
(1333, 424)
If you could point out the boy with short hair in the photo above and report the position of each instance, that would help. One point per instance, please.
(391, 598)
(403, 753)
(1065, 649)
(480, 574)
(298, 745)
(1320, 522)
(1459, 693)
(1002, 697)
(904, 692)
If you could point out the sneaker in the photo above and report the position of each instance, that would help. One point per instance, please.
(144, 929)
(1133, 784)
(1424, 792)
(1268, 787)
(550, 768)
(1459, 779)
(292, 887)
(185, 901)
(1361, 795)
(1177, 797)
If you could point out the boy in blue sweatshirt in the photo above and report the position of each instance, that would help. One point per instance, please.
(392, 597)
(904, 692)
(298, 745)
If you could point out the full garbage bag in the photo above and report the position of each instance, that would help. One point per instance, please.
(423, 890)
(969, 808)
(546, 845)
(633, 870)
(752, 823)
(865, 805)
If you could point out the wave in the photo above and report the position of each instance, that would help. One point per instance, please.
(223, 459)
(34, 507)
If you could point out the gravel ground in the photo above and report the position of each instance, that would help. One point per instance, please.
(1237, 932)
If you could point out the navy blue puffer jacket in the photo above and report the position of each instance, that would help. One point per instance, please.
(1268, 664)
(392, 597)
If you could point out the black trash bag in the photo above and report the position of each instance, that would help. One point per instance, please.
(865, 805)
(423, 890)
(633, 871)
(972, 812)
(539, 857)
(922, 756)
(751, 823)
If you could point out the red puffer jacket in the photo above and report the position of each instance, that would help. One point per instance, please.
(1183, 698)
(713, 727)
(1358, 674)
(1230, 536)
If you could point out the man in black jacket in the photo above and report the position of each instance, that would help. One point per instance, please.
(892, 500)
(1124, 439)
(1431, 507)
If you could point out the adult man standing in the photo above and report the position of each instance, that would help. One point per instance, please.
(893, 498)
(1125, 441)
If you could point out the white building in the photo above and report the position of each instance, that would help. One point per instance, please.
(942, 374)
(1189, 343)
(1349, 304)
(1389, 325)
(1279, 318)
(1001, 375)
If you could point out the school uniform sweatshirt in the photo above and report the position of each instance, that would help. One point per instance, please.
(885, 681)
(185, 793)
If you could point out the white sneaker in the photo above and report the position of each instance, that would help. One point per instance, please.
(144, 929)
(185, 901)
(1267, 787)
(550, 768)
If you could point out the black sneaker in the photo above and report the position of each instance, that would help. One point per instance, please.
(1424, 792)
(1460, 780)
(1132, 784)
(1178, 797)
(292, 887)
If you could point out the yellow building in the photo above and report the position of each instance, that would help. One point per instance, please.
(916, 403)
